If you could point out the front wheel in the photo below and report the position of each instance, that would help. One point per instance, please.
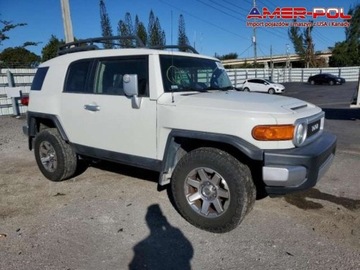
(212, 190)
(55, 158)
(271, 91)
(331, 82)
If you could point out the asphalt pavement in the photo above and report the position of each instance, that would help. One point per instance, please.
(114, 217)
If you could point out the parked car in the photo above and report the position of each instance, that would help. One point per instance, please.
(262, 85)
(325, 78)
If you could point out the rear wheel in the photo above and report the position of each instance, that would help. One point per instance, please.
(312, 82)
(246, 89)
(212, 190)
(55, 158)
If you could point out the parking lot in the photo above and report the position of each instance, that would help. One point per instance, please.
(114, 217)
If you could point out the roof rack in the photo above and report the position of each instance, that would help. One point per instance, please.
(184, 48)
(88, 44)
(115, 41)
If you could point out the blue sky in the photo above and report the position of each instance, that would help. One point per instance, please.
(212, 26)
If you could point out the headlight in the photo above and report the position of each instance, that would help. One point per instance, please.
(300, 133)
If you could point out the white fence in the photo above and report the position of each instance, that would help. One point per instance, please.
(24, 77)
(282, 75)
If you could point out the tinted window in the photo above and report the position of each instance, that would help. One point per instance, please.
(76, 79)
(39, 78)
(109, 75)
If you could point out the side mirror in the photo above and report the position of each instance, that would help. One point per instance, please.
(130, 84)
(131, 89)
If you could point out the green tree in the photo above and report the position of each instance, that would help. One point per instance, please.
(156, 34)
(106, 29)
(227, 56)
(182, 38)
(353, 31)
(347, 52)
(126, 29)
(50, 50)
(18, 57)
(140, 30)
(6, 27)
(303, 44)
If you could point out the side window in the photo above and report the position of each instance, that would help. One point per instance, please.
(76, 79)
(110, 72)
(252, 81)
(39, 78)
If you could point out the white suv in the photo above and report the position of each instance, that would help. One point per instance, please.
(262, 85)
(176, 113)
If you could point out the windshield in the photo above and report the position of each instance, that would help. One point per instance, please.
(181, 73)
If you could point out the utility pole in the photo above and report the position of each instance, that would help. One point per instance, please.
(271, 64)
(254, 43)
(65, 10)
(287, 56)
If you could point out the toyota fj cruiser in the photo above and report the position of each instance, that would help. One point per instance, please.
(176, 113)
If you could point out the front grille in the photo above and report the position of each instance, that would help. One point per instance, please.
(313, 128)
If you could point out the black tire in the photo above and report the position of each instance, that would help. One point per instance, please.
(331, 82)
(271, 91)
(312, 82)
(221, 188)
(246, 89)
(55, 158)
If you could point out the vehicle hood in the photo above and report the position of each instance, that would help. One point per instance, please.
(235, 101)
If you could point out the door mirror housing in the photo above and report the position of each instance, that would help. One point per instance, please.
(130, 84)
(131, 89)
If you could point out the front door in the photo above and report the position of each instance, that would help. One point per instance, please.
(97, 114)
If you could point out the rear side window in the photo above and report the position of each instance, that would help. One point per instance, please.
(76, 79)
(39, 78)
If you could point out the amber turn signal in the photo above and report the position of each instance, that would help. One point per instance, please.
(273, 133)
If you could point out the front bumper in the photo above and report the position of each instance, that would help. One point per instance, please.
(290, 170)
(279, 90)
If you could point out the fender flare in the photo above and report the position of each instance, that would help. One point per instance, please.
(32, 125)
(170, 158)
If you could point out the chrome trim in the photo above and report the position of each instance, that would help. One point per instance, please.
(284, 176)
(308, 120)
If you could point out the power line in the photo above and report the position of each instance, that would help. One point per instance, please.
(224, 12)
(274, 32)
(204, 21)
(236, 6)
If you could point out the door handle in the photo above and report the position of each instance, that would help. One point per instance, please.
(92, 107)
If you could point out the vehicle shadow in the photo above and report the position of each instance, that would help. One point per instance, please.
(165, 248)
(301, 201)
(342, 113)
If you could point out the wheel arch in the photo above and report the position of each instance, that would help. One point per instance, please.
(180, 142)
(38, 121)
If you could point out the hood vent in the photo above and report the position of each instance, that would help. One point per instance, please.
(302, 106)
